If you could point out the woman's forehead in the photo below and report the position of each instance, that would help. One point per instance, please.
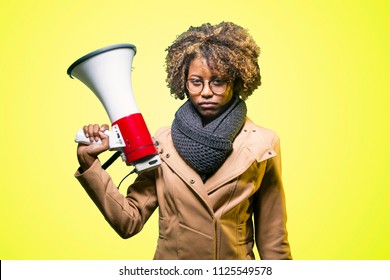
(204, 65)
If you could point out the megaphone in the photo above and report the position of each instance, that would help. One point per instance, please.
(107, 72)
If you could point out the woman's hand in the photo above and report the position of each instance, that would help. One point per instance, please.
(87, 154)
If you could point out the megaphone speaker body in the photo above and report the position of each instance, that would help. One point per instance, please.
(107, 72)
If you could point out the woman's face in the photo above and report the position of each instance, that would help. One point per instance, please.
(208, 104)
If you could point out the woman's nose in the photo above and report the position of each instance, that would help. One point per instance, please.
(207, 92)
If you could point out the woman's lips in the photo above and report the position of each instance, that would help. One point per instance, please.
(207, 105)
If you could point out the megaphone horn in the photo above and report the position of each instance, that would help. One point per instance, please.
(107, 72)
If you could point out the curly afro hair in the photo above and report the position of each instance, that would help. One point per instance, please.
(229, 50)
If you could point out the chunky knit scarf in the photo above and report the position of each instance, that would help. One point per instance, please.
(205, 148)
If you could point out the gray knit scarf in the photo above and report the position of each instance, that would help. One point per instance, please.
(205, 148)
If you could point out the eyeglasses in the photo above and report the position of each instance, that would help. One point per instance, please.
(217, 86)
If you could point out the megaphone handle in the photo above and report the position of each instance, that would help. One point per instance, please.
(116, 140)
(81, 138)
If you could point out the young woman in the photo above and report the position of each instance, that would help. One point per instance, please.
(219, 187)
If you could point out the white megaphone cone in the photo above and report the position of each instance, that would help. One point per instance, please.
(107, 72)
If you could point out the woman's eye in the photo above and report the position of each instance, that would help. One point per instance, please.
(218, 82)
(196, 82)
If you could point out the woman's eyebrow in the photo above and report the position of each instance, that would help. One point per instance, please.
(214, 77)
(195, 76)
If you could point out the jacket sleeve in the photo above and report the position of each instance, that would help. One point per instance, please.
(126, 214)
(270, 212)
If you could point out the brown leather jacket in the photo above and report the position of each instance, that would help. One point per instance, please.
(242, 203)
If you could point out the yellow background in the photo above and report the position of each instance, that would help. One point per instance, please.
(325, 67)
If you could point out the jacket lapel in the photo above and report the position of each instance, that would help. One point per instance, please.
(191, 178)
(248, 146)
